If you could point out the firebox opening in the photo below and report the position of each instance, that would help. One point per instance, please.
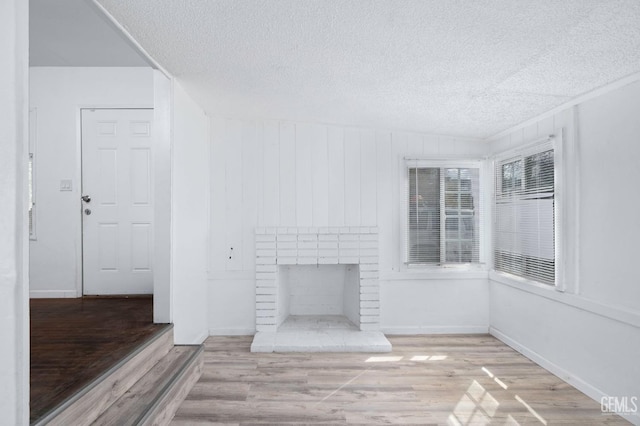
(319, 291)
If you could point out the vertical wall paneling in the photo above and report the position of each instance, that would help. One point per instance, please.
(517, 138)
(335, 163)
(320, 177)
(398, 153)
(385, 207)
(305, 136)
(546, 126)
(368, 181)
(430, 146)
(234, 174)
(500, 145)
(447, 146)
(414, 145)
(562, 120)
(275, 174)
(352, 177)
(287, 174)
(530, 132)
(251, 178)
(218, 187)
(270, 195)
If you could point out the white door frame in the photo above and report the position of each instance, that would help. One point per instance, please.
(162, 313)
(78, 188)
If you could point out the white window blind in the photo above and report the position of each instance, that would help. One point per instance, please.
(524, 230)
(443, 214)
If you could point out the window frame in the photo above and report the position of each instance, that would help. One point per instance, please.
(473, 163)
(555, 142)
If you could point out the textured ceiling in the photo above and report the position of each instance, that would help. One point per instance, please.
(466, 68)
(72, 33)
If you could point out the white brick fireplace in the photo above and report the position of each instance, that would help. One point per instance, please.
(320, 272)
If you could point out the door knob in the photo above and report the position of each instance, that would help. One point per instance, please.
(87, 211)
(86, 198)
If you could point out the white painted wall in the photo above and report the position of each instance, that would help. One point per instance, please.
(589, 335)
(162, 135)
(190, 218)
(433, 305)
(232, 305)
(279, 173)
(14, 255)
(609, 129)
(58, 93)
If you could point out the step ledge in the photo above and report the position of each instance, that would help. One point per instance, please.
(153, 407)
(86, 389)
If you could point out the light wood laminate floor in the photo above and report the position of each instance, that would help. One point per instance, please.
(462, 379)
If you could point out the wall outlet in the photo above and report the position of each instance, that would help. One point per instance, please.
(66, 185)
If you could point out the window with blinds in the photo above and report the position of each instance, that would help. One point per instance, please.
(524, 230)
(443, 214)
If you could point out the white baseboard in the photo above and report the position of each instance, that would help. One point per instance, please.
(454, 329)
(53, 294)
(232, 331)
(386, 330)
(584, 387)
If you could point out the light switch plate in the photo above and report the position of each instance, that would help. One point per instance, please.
(66, 185)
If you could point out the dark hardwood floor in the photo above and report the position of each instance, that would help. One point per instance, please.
(73, 341)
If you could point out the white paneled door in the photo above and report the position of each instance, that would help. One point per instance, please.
(117, 201)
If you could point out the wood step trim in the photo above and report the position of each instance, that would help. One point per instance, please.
(164, 407)
(138, 398)
(87, 404)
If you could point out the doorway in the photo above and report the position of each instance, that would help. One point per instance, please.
(117, 201)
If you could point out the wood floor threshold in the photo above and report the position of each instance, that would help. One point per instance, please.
(117, 296)
(87, 388)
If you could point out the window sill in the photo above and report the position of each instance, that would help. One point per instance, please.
(437, 273)
(522, 283)
(619, 314)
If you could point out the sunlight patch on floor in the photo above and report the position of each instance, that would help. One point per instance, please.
(383, 359)
(495, 379)
(531, 410)
(476, 406)
(429, 358)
